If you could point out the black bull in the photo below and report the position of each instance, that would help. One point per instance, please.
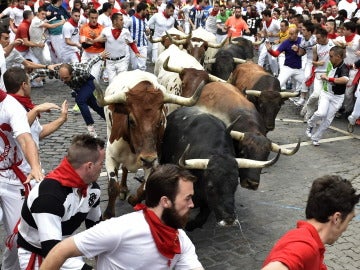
(211, 157)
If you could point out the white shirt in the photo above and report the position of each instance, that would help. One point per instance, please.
(2, 67)
(160, 24)
(131, 246)
(71, 32)
(349, 7)
(116, 47)
(13, 116)
(104, 20)
(17, 14)
(36, 31)
(351, 49)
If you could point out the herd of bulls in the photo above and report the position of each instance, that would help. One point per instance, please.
(211, 120)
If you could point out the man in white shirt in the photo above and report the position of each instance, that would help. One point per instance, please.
(70, 31)
(150, 237)
(37, 35)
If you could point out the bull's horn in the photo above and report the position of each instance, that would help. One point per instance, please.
(234, 42)
(155, 40)
(217, 45)
(99, 94)
(232, 124)
(174, 41)
(237, 135)
(258, 42)
(190, 101)
(230, 79)
(255, 93)
(171, 69)
(210, 61)
(215, 79)
(192, 163)
(115, 98)
(249, 163)
(239, 60)
(275, 148)
(289, 94)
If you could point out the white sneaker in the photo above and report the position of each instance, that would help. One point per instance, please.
(300, 102)
(91, 131)
(352, 120)
(315, 143)
(308, 131)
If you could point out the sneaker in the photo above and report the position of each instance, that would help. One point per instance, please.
(351, 120)
(300, 102)
(91, 131)
(76, 108)
(315, 143)
(308, 131)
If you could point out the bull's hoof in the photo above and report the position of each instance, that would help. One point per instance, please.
(132, 200)
(122, 195)
(108, 214)
(350, 128)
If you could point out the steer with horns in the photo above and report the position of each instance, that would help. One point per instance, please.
(135, 117)
(210, 156)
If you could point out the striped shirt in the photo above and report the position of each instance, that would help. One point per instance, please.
(53, 212)
(137, 31)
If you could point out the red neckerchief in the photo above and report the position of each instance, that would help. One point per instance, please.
(349, 1)
(116, 33)
(165, 15)
(123, 11)
(73, 23)
(96, 4)
(2, 95)
(268, 23)
(68, 177)
(349, 38)
(138, 16)
(86, 16)
(20, 7)
(25, 101)
(166, 238)
(332, 36)
(214, 12)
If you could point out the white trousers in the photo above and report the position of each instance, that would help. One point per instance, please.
(139, 62)
(115, 67)
(42, 54)
(96, 69)
(329, 104)
(356, 112)
(57, 44)
(11, 201)
(349, 99)
(312, 103)
(73, 57)
(288, 72)
(273, 62)
(74, 263)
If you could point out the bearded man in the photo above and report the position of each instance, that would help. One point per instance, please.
(150, 236)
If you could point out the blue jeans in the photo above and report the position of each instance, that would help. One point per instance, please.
(85, 98)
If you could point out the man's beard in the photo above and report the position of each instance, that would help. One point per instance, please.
(237, 16)
(173, 219)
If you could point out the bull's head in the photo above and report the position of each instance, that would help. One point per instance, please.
(268, 103)
(138, 117)
(255, 146)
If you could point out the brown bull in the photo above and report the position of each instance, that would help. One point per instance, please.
(265, 94)
(227, 103)
(135, 124)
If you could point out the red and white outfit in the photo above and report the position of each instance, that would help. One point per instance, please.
(116, 44)
(271, 27)
(132, 246)
(16, 15)
(71, 54)
(13, 122)
(352, 46)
